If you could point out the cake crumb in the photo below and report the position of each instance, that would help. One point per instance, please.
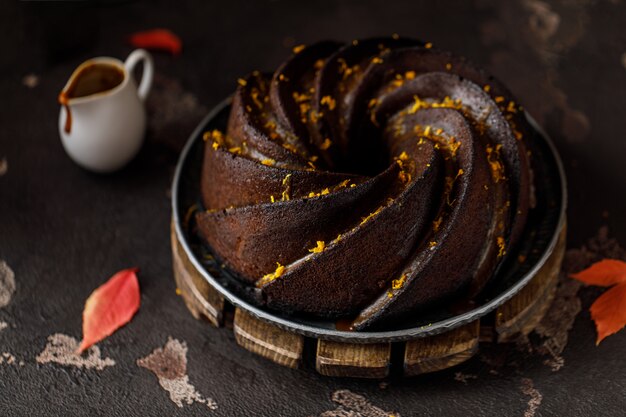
(4, 166)
(462, 377)
(30, 80)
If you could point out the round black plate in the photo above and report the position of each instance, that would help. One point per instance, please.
(544, 225)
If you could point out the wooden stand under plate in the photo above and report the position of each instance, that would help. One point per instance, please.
(517, 316)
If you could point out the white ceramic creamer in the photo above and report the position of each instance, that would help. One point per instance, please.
(103, 117)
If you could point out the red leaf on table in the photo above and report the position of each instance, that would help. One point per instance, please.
(605, 273)
(110, 306)
(609, 311)
(157, 39)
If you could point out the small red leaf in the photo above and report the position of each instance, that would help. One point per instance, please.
(109, 307)
(157, 39)
(605, 273)
(609, 311)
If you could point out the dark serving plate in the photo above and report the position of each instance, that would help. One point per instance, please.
(544, 225)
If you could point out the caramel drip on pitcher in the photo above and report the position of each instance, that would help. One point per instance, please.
(64, 100)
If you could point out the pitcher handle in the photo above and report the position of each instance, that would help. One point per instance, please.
(148, 70)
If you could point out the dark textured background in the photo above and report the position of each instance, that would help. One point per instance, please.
(63, 231)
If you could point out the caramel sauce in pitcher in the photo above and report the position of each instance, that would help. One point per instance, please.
(92, 79)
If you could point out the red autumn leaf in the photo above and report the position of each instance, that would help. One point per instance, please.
(609, 311)
(157, 39)
(109, 307)
(605, 273)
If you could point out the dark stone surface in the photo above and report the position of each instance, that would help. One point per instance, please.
(63, 230)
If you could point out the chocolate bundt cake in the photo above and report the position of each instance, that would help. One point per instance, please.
(367, 180)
